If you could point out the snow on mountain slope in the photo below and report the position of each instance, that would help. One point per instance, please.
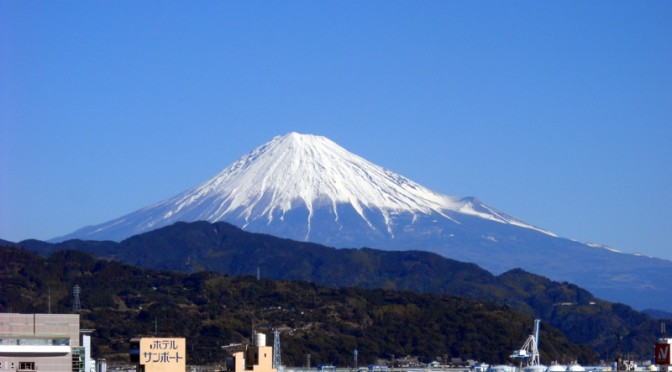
(306, 187)
(298, 171)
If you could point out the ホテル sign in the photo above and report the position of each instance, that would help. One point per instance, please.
(163, 354)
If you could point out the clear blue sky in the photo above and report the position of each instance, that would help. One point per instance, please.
(558, 113)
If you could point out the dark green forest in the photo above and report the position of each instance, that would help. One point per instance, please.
(226, 249)
(121, 301)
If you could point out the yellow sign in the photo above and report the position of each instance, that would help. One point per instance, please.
(163, 354)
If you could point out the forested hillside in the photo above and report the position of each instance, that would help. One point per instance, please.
(121, 301)
(226, 249)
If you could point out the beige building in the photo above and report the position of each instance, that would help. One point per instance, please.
(159, 354)
(254, 358)
(40, 342)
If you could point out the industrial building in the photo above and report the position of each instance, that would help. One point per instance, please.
(251, 358)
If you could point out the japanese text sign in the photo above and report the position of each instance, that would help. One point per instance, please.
(163, 354)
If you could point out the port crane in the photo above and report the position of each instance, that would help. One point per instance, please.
(529, 351)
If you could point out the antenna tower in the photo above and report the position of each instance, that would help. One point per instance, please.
(76, 306)
(277, 362)
(662, 330)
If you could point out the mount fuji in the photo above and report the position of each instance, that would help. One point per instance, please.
(308, 188)
(304, 187)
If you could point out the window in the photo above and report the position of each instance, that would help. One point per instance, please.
(26, 366)
(64, 341)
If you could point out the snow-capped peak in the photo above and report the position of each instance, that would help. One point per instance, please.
(301, 172)
(312, 170)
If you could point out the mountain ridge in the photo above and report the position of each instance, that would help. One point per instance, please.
(224, 248)
(307, 188)
(121, 301)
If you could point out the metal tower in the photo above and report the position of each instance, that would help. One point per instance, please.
(530, 350)
(277, 362)
(76, 306)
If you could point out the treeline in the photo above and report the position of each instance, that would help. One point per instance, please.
(226, 249)
(211, 310)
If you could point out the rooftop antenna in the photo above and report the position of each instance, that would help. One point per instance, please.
(662, 330)
(49, 300)
(252, 333)
(76, 306)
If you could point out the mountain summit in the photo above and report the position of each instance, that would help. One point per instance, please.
(307, 188)
(299, 177)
